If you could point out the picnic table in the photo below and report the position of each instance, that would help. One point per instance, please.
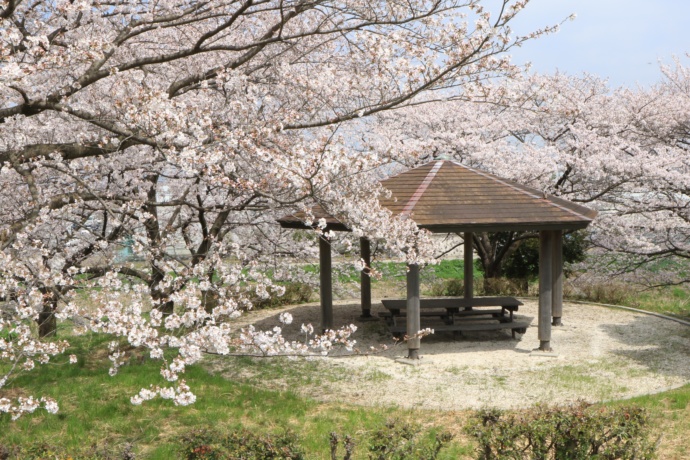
(458, 314)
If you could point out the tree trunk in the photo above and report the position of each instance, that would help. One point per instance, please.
(493, 250)
(210, 300)
(161, 299)
(47, 323)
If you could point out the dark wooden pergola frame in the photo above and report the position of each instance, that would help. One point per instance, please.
(435, 195)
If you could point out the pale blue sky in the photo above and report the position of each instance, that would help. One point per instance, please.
(619, 39)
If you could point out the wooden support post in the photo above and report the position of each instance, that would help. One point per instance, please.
(413, 317)
(469, 267)
(557, 293)
(326, 283)
(365, 279)
(545, 289)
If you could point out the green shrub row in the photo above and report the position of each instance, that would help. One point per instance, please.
(577, 432)
(395, 441)
(241, 444)
(489, 286)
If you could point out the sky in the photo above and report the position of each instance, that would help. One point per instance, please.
(622, 40)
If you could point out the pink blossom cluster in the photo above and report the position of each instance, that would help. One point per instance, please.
(147, 148)
(27, 406)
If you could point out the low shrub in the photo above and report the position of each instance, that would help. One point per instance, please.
(489, 286)
(577, 432)
(402, 441)
(601, 291)
(504, 286)
(348, 446)
(396, 440)
(241, 444)
(448, 287)
(295, 293)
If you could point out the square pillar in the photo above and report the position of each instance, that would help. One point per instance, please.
(468, 262)
(365, 279)
(413, 317)
(557, 268)
(325, 275)
(545, 288)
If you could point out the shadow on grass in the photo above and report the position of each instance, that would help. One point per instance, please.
(666, 351)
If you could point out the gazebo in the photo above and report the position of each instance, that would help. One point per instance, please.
(446, 197)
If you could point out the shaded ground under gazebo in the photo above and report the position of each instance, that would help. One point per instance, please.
(446, 197)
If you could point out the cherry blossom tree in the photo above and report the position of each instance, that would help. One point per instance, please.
(621, 151)
(185, 124)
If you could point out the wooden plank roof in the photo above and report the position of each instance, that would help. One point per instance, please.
(445, 196)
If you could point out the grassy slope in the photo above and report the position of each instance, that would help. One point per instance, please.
(670, 417)
(95, 409)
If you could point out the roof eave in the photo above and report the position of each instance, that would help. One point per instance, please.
(299, 225)
(477, 228)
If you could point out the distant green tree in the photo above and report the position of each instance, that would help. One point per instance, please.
(523, 262)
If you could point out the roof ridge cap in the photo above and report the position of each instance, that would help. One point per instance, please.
(412, 202)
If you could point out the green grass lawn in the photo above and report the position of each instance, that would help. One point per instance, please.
(673, 301)
(670, 416)
(95, 412)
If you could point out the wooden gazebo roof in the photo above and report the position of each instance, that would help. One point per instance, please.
(445, 196)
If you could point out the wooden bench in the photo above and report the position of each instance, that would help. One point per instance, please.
(519, 327)
(449, 317)
(507, 303)
(459, 314)
(450, 308)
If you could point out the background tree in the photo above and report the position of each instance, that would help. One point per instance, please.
(620, 151)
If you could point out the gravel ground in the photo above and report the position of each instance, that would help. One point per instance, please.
(602, 354)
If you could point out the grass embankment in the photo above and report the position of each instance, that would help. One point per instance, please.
(670, 416)
(674, 301)
(96, 416)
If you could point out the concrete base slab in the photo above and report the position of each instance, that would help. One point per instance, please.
(537, 353)
(366, 319)
(410, 362)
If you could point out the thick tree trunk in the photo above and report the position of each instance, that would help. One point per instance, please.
(493, 268)
(167, 307)
(47, 323)
(492, 271)
(493, 250)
